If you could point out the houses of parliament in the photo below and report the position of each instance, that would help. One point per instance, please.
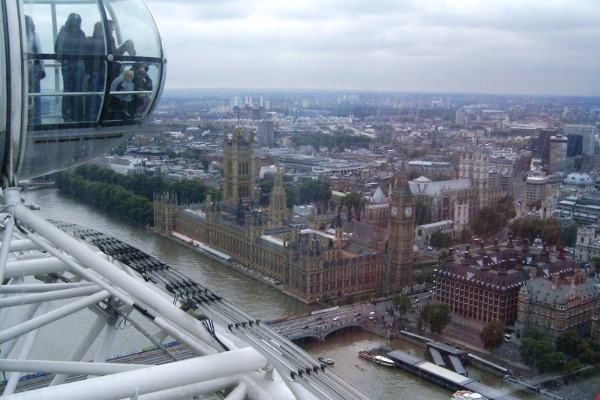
(322, 260)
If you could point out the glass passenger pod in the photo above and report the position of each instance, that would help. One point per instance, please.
(92, 72)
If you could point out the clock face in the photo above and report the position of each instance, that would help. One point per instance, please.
(394, 211)
(408, 211)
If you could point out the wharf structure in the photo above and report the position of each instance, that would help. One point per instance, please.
(444, 377)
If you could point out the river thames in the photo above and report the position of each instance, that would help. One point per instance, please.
(259, 300)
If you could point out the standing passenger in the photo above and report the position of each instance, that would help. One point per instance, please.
(36, 71)
(70, 43)
(96, 71)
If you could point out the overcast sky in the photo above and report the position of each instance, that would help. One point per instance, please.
(487, 46)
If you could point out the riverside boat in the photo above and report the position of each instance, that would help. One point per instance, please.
(466, 395)
(327, 361)
(377, 359)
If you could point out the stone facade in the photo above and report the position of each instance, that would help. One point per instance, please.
(320, 262)
(564, 301)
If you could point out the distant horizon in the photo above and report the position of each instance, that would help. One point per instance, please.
(358, 91)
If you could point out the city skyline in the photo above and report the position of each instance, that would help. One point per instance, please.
(504, 47)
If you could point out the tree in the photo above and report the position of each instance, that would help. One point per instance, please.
(569, 342)
(492, 334)
(533, 351)
(568, 235)
(436, 316)
(402, 303)
(439, 239)
(596, 264)
(490, 220)
(547, 229)
(354, 201)
(551, 362)
(466, 235)
(314, 191)
(423, 212)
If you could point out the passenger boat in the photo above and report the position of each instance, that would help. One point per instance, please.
(466, 395)
(33, 206)
(377, 359)
(327, 361)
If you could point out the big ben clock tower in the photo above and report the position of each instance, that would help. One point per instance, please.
(401, 235)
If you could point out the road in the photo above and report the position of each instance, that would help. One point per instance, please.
(323, 321)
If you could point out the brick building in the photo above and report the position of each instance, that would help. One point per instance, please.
(482, 286)
(561, 300)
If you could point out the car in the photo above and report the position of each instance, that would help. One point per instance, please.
(336, 318)
(319, 318)
(305, 327)
(428, 296)
(429, 247)
(357, 314)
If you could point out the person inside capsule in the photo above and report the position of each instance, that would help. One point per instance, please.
(71, 41)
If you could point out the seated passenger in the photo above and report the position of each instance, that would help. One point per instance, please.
(142, 83)
(123, 83)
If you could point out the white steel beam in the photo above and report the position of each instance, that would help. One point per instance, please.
(18, 245)
(113, 274)
(84, 345)
(67, 367)
(9, 226)
(152, 379)
(52, 316)
(50, 296)
(25, 350)
(42, 287)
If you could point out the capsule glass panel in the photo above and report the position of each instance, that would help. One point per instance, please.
(94, 72)
(3, 88)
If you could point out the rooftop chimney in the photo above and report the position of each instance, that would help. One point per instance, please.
(555, 280)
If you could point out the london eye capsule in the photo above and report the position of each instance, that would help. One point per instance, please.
(79, 78)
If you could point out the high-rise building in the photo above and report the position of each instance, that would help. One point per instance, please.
(588, 134)
(574, 145)
(543, 144)
(558, 151)
(460, 117)
(536, 188)
(265, 133)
